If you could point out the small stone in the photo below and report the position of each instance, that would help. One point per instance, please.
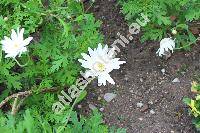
(150, 102)
(166, 92)
(96, 8)
(176, 80)
(152, 112)
(109, 97)
(144, 108)
(139, 94)
(101, 109)
(152, 88)
(163, 71)
(140, 119)
(131, 91)
(139, 105)
(92, 107)
(126, 78)
(79, 106)
(141, 80)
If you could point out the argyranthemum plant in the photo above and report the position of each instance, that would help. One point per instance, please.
(99, 63)
(15, 45)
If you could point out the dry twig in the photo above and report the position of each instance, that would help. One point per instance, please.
(23, 94)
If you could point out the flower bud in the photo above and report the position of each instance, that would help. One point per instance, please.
(5, 18)
(174, 32)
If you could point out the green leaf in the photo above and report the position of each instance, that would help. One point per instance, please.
(187, 101)
(82, 96)
(192, 37)
(182, 26)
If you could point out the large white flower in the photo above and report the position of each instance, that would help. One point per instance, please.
(100, 62)
(15, 45)
(166, 45)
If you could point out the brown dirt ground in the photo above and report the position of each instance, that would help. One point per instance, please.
(141, 80)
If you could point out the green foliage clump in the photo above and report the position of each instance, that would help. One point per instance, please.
(194, 105)
(34, 123)
(165, 16)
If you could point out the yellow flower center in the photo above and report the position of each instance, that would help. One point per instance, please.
(99, 66)
(16, 45)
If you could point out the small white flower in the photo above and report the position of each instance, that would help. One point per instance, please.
(100, 62)
(15, 45)
(166, 45)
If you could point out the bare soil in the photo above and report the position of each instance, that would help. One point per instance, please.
(141, 80)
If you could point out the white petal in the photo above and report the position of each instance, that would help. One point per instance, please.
(21, 33)
(89, 73)
(109, 79)
(13, 35)
(111, 53)
(101, 80)
(24, 49)
(6, 42)
(85, 56)
(85, 64)
(99, 48)
(105, 49)
(105, 77)
(12, 55)
(91, 52)
(27, 41)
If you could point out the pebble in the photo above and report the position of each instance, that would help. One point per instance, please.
(96, 8)
(152, 112)
(150, 102)
(152, 88)
(163, 71)
(131, 91)
(139, 93)
(140, 119)
(79, 106)
(126, 78)
(176, 80)
(92, 107)
(144, 108)
(101, 109)
(141, 80)
(109, 97)
(139, 105)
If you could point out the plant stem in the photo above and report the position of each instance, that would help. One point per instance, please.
(185, 46)
(19, 63)
(23, 64)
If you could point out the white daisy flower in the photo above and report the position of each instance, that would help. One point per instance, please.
(15, 45)
(166, 45)
(100, 62)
